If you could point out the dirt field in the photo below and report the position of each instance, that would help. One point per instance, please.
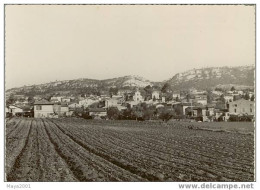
(89, 150)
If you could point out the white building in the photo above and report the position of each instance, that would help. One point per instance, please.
(87, 102)
(113, 102)
(74, 105)
(43, 108)
(137, 96)
(202, 101)
(228, 98)
(15, 110)
(156, 95)
(175, 95)
(56, 99)
(66, 100)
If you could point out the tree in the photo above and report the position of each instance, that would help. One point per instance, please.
(247, 97)
(148, 89)
(188, 97)
(166, 114)
(168, 96)
(222, 99)
(113, 113)
(126, 96)
(218, 89)
(252, 98)
(232, 88)
(149, 112)
(126, 114)
(166, 88)
(30, 99)
(138, 111)
(10, 100)
(209, 97)
(113, 91)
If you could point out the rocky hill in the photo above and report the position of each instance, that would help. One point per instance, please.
(212, 77)
(198, 78)
(82, 85)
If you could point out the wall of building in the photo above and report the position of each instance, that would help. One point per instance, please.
(242, 107)
(45, 111)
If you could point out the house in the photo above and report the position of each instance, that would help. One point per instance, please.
(163, 99)
(137, 97)
(43, 108)
(217, 93)
(242, 106)
(73, 105)
(7, 112)
(131, 103)
(120, 107)
(56, 99)
(250, 94)
(64, 109)
(201, 101)
(195, 111)
(222, 115)
(112, 102)
(117, 96)
(16, 110)
(192, 91)
(180, 107)
(156, 95)
(122, 92)
(65, 99)
(210, 110)
(97, 112)
(37, 98)
(22, 101)
(87, 102)
(159, 106)
(228, 98)
(176, 95)
(240, 92)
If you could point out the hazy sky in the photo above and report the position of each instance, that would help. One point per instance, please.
(51, 42)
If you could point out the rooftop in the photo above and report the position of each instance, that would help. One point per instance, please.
(43, 102)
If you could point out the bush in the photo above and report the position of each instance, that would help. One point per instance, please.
(166, 115)
(113, 113)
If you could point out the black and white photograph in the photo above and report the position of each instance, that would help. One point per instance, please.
(129, 93)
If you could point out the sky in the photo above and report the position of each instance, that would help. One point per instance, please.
(45, 43)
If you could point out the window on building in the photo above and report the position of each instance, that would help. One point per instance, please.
(38, 107)
(235, 110)
(251, 110)
(235, 105)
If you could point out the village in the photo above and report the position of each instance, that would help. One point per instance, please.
(141, 104)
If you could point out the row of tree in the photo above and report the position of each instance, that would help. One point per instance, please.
(141, 112)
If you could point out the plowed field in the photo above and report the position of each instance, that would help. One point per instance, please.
(89, 150)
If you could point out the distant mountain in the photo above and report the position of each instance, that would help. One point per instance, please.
(197, 78)
(83, 85)
(212, 77)
(128, 81)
